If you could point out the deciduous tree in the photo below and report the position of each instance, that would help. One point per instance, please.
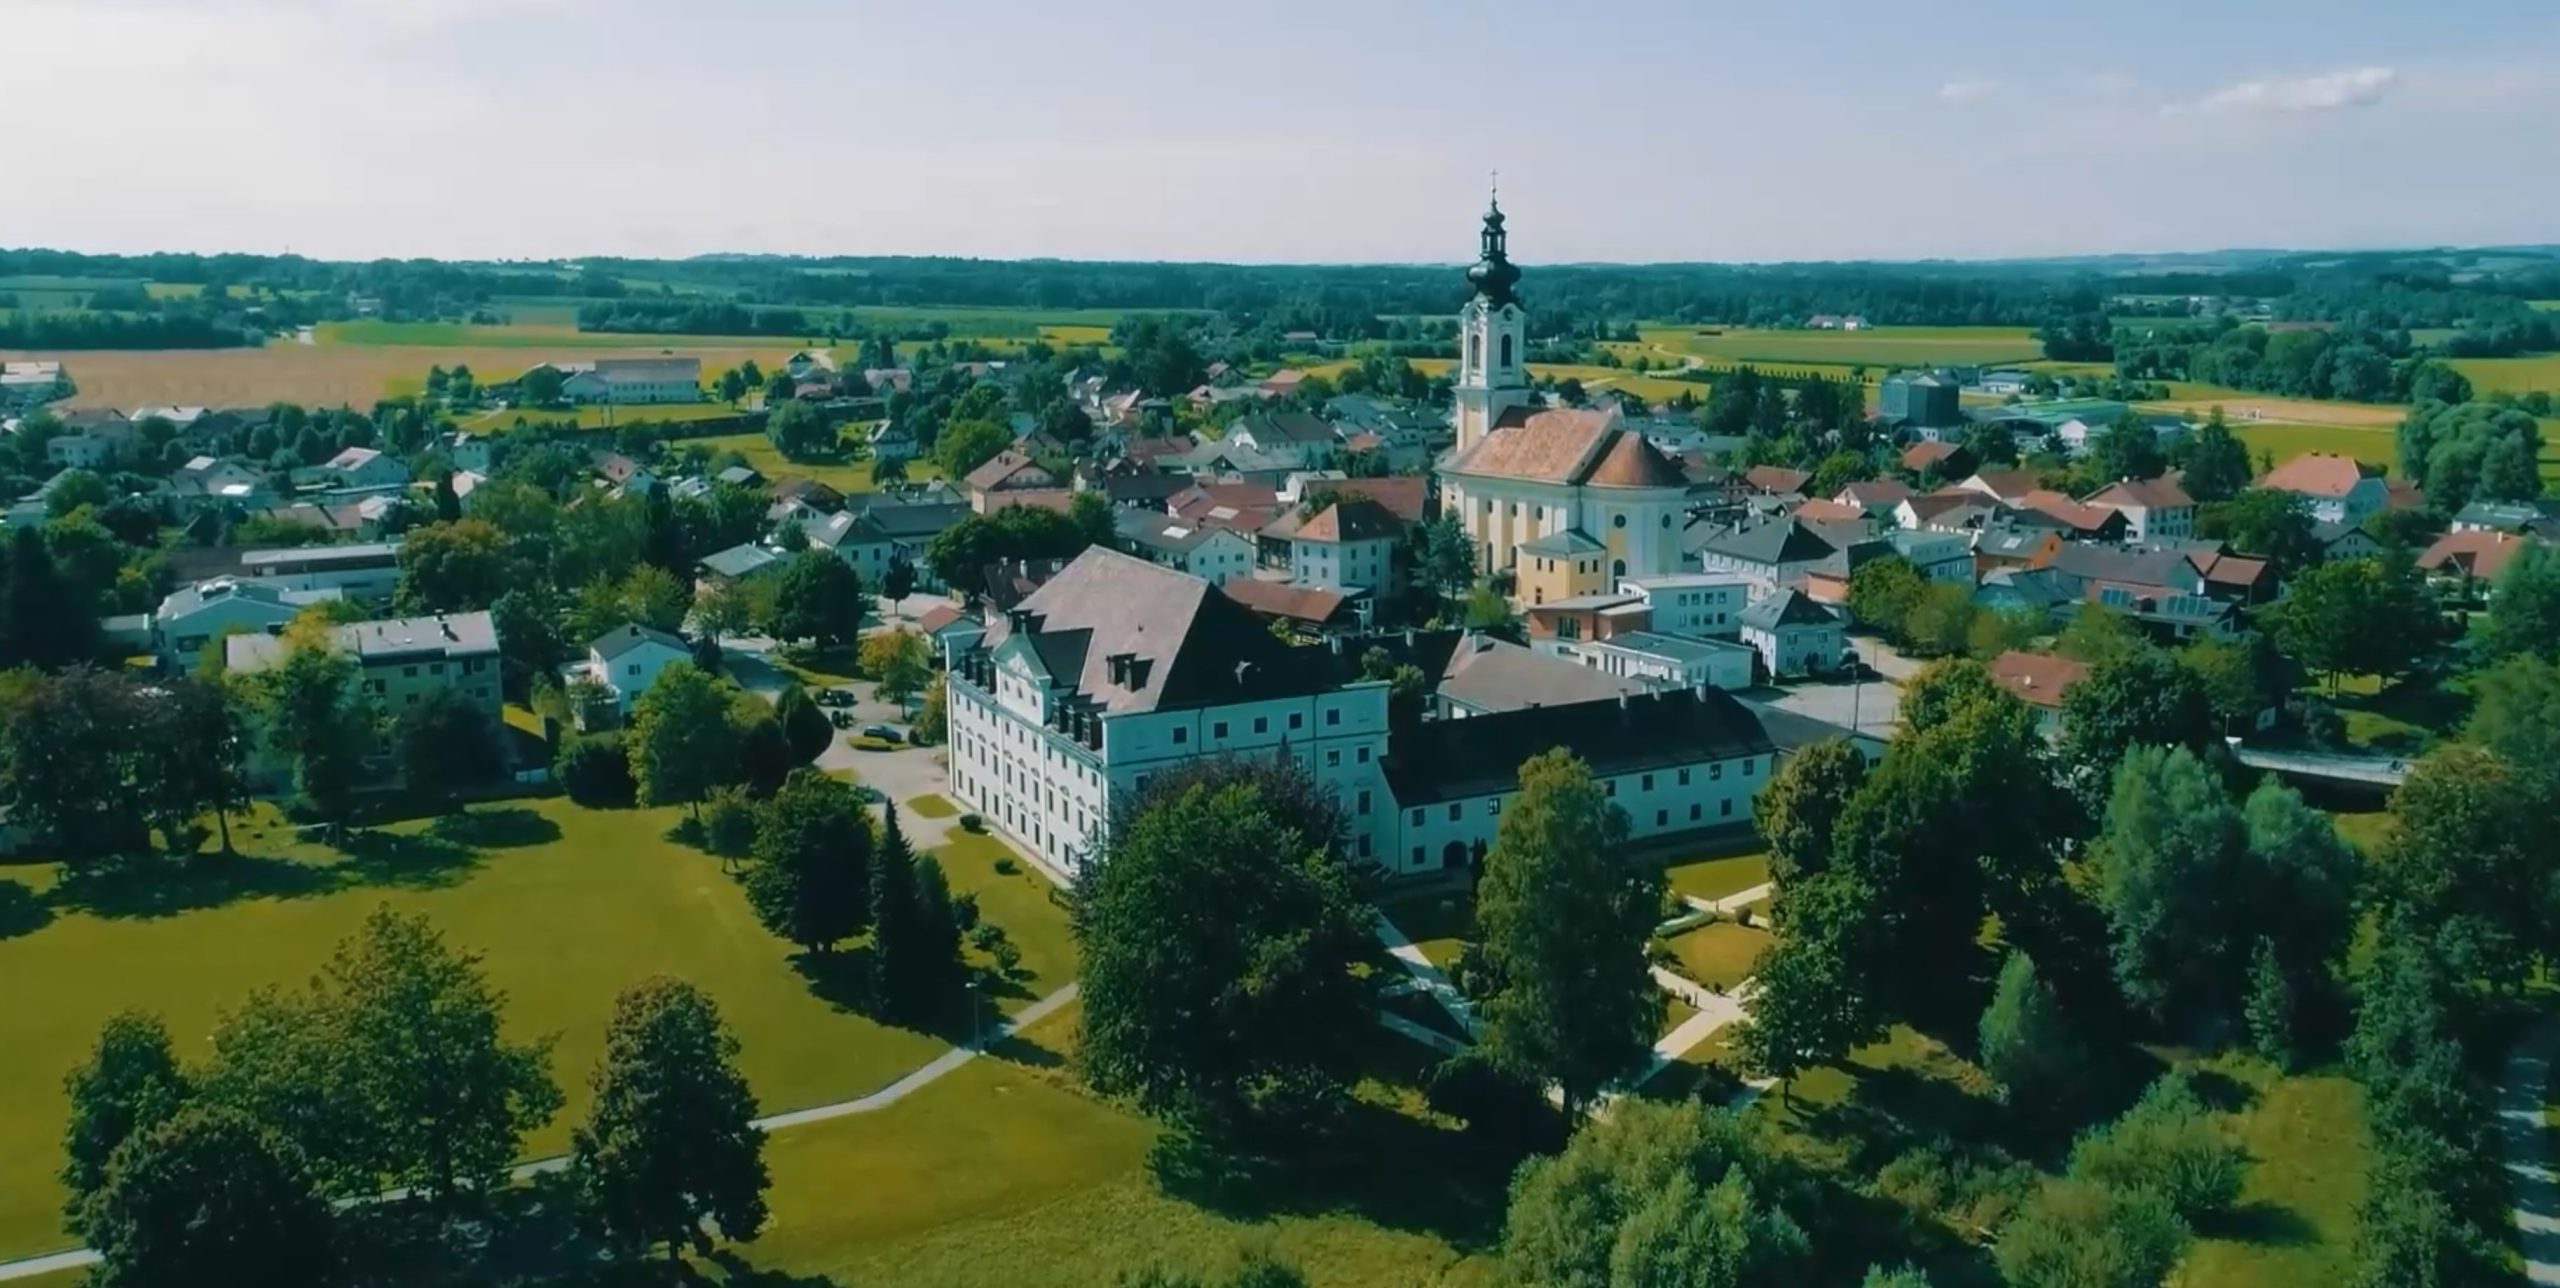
(813, 850)
(804, 726)
(672, 1141)
(130, 1084)
(208, 1197)
(1803, 803)
(898, 662)
(2024, 1042)
(682, 742)
(445, 744)
(816, 597)
(1656, 1194)
(454, 567)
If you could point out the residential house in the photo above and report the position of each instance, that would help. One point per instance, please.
(2039, 680)
(735, 564)
(368, 571)
(1311, 438)
(949, 630)
(400, 660)
(1560, 566)
(2080, 522)
(1939, 556)
(1776, 480)
(891, 442)
(1874, 496)
(1306, 610)
(1349, 545)
(2334, 489)
(863, 544)
(2003, 382)
(1600, 616)
(1955, 510)
(2540, 515)
(192, 617)
(623, 476)
(2154, 509)
(1772, 555)
(2036, 594)
(2009, 487)
(1938, 457)
(2160, 590)
(30, 384)
(365, 467)
(1209, 553)
(1283, 382)
(465, 450)
(624, 662)
(2469, 562)
(1793, 634)
(1010, 479)
(662, 379)
(2343, 541)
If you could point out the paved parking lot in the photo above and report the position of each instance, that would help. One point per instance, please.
(1871, 707)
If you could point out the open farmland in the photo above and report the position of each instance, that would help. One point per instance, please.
(2514, 375)
(329, 375)
(1905, 346)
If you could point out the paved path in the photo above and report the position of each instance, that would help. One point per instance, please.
(1732, 902)
(932, 1071)
(2521, 1089)
(1423, 972)
(1422, 1033)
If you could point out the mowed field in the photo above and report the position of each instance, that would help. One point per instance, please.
(330, 375)
(2514, 375)
(569, 906)
(1885, 347)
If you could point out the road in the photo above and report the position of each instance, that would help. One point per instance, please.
(2527, 1144)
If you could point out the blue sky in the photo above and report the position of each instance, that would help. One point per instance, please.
(1324, 130)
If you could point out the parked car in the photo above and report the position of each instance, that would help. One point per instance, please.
(833, 697)
(885, 733)
(840, 719)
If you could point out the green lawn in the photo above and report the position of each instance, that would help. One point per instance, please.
(2284, 442)
(1020, 902)
(1719, 954)
(1877, 348)
(930, 805)
(1438, 923)
(1716, 878)
(568, 906)
(849, 476)
(2514, 375)
(594, 417)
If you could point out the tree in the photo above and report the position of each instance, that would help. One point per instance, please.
(74, 748)
(672, 1140)
(900, 580)
(799, 430)
(816, 597)
(964, 445)
(130, 1085)
(1882, 593)
(1803, 803)
(811, 878)
(540, 386)
(2273, 1011)
(932, 725)
(905, 977)
(2515, 716)
(804, 726)
(2099, 634)
(2168, 1144)
(2024, 1042)
(528, 620)
(1092, 515)
(2139, 698)
(2461, 452)
(315, 718)
(454, 567)
(1813, 1002)
(445, 744)
(594, 770)
(2127, 450)
(44, 620)
(2076, 1234)
(2215, 461)
(2356, 617)
(1227, 869)
(2171, 848)
(2524, 614)
(682, 743)
(732, 386)
(1564, 924)
(2236, 675)
(898, 662)
(1446, 556)
(206, 1198)
(1938, 692)
(2262, 522)
(2466, 859)
(1656, 1194)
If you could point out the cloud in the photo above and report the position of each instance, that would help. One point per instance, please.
(1966, 91)
(2325, 92)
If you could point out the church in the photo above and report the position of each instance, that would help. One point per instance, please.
(1567, 500)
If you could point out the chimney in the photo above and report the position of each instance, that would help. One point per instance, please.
(1622, 699)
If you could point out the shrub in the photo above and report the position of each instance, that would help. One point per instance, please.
(1492, 1103)
(972, 823)
(728, 822)
(1742, 915)
(2168, 1144)
(964, 910)
(594, 770)
(1008, 958)
(2074, 1234)
(986, 935)
(1969, 1188)
(1005, 866)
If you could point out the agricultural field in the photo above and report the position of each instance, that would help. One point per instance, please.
(1874, 348)
(2240, 405)
(327, 375)
(847, 477)
(1593, 378)
(2513, 375)
(586, 417)
(568, 906)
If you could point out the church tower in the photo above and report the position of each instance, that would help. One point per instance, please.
(1493, 345)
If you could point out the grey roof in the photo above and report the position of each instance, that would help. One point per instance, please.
(359, 554)
(1163, 532)
(2039, 587)
(836, 531)
(187, 600)
(1678, 647)
(1780, 541)
(1571, 541)
(1793, 731)
(1493, 675)
(1285, 427)
(2130, 567)
(739, 560)
(1786, 608)
(385, 640)
(630, 635)
(1441, 760)
(911, 519)
(1183, 643)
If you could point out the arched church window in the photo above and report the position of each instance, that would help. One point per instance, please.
(1475, 352)
(1506, 351)
(1617, 567)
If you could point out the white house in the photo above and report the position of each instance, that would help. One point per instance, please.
(2154, 509)
(632, 380)
(364, 467)
(1770, 555)
(192, 617)
(1349, 545)
(863, 544)
(469, 451)
(1696, 605)
(1793, 634)
(1213, 554)
(2334, 489)
(1939, 556)
(370, 571)
(626, 660)
(1666, 661)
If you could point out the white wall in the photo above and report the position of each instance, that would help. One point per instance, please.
(1658, 802)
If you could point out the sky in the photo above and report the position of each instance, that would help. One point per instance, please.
(1315, 131)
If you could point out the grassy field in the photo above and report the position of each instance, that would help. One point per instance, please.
(1593, 377)
(1719, 954)
(322, 375)
(931, 805)
(593, 417)
(1439, 924)
(568, 906)
(849, 476)
(2515, 375)
(1716, 878)
(1875, 348)
(2284, 442)
(462, 335)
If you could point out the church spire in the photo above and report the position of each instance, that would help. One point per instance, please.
(1493, 274)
